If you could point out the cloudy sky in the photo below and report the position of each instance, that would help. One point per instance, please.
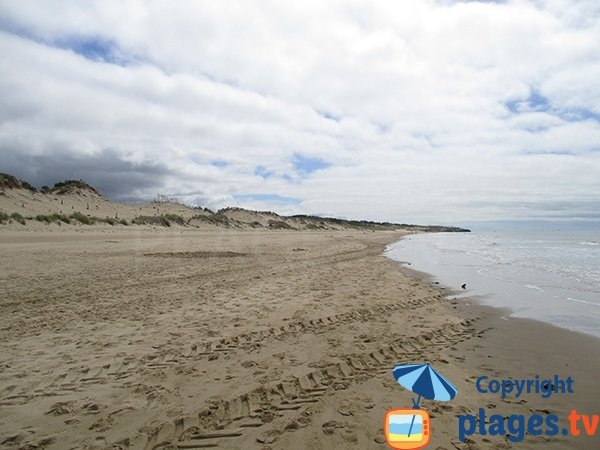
(414, 111)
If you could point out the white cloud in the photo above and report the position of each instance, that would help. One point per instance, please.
(409, 102)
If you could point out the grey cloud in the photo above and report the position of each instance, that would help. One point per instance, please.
(111, 174)
(405, 101)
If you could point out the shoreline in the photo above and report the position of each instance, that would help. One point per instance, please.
(477, 300)
(523, 343)
(292, 335)
(523, 348)
(549, 304)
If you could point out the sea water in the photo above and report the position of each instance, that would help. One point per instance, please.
(553, 276)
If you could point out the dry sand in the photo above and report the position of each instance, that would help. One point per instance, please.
(141, 338)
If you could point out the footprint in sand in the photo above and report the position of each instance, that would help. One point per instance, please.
(330, 427)
(62, 408)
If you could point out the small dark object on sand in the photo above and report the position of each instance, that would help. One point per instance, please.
(464, 286)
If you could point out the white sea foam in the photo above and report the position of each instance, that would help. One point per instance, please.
(571, 299)
(589, 243)
(533, 286)
(551, 276)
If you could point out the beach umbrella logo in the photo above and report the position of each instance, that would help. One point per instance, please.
(409, 429)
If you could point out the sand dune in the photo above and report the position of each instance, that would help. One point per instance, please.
(75, 203)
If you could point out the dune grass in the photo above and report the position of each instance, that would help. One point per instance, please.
(215, 219)
(18, 218)
(76, 217)
(52, 218)
(164, 220)
(64, 187)
(82, 218)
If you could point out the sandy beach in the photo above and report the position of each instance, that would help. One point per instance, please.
(178, 338)
(304, 225)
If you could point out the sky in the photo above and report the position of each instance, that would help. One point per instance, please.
(416, 111)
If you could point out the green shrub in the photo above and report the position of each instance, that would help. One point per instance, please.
(18, 218)
(115, 221)
(174, 218)
(82, 218)
(60, 218)
(3, 217)
(216, 219)
(108, 220)
(279, 225)
(50, 218)
(161, 221)
(164, 220)
(64, 187)
(10, 181)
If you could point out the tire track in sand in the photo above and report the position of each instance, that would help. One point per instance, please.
(225, 422)
(79, 378)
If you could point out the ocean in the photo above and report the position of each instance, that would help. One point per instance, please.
(552, 276)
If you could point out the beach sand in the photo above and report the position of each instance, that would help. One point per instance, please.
(179, 338)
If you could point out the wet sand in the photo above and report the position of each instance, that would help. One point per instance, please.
(141, 338)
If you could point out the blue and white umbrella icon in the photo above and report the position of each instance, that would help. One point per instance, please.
(425, 381)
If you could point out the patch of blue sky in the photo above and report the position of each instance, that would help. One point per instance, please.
(10, 27)
(548, 152)
(578, 115)
(538, 102)
(306, 165)
(535, 102)
(328, 115)
(384, 127)
(95, 48)
(92, 47)
(513, 105)
(272, 198)
(219, 163)
(263, 172)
